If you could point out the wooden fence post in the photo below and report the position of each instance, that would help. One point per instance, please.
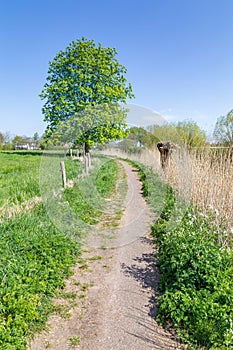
(63, 170)
(89, 159)
(86, 164)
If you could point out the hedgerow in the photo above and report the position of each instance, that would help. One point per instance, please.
(196, 274)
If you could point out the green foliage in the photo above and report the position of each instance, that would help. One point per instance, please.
(129, 146)
(82, 206)
(1, 140)
(106, 178)
(137, 139)
(185, 133)
(190, 134)
(35, 258)
(5, 141)
(7, 146)
(138, 134)
(95, 124)
(223, 132)
(196, 283)
(165, 132)
(83, 76)
(74, 341)
(153, 188)
(17, 140)
(151, 140)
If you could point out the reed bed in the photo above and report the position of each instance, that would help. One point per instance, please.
(205, 176)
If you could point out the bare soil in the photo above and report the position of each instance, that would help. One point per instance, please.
(114, 290)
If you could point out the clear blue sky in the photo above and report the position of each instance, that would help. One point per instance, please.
(179, 54)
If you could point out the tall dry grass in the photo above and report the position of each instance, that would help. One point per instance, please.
(205, 177)
(213, 182)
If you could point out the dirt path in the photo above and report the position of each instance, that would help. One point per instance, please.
(115, 290)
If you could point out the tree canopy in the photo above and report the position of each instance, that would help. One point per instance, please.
(82, 77)
(185, 133)
(223, 131)
(190, 134)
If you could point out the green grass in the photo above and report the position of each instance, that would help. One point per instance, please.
(81, 206)
(21, 172)
(19, 177)
(87, 197)
(34, 260)
(196, 271)
(74, 341)
(106, 178)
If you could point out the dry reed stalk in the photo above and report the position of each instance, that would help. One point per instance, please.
(206, 178)
(213, 183)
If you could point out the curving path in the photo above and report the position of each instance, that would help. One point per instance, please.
(119, 310)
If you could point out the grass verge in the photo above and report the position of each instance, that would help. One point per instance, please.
(106, 178)
(88, 196)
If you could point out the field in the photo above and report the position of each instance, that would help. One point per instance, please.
(20, 180)
(35, 254)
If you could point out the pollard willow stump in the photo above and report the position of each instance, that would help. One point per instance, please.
(165, 149)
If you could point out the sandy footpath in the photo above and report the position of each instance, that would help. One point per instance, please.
(117, 310)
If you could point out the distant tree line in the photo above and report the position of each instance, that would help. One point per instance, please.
(8, 142)
(184, 134)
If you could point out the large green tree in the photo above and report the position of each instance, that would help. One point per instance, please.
(223, 131)
(17, 140)
(83, 81)
(185, 133)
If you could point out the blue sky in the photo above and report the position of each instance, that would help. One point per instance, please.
(179, 54)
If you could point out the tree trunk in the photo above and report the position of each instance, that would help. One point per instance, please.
(87, 157)
(86, 148)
